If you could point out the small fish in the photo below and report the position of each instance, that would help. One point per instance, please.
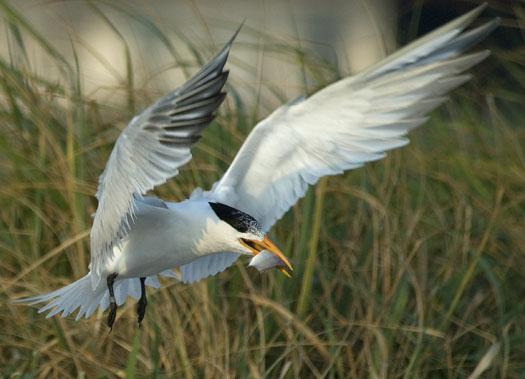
(265, 261)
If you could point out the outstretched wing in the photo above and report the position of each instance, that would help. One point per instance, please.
(150, 151)
(351, 122)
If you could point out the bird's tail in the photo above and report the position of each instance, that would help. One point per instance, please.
(80, 294)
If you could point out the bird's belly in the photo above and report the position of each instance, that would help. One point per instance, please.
(142, 256)
(135, 262)
(154, 244)
(161, 239)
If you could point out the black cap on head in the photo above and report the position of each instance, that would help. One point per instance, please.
(240, 221)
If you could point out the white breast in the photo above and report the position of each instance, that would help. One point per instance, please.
(162, 239)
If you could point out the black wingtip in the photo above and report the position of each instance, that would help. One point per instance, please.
(222, 55)
(480, 8)
(490, 26)
(229, 44)
(237, 31)
(496, 22)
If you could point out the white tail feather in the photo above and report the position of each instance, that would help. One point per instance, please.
(80, 294)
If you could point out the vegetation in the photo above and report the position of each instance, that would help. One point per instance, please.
(410, 267)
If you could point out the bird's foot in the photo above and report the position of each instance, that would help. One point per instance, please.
(141, 309)
(112, 302)
(143, 302)
(112, 314)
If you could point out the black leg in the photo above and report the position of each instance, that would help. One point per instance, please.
(141, 305)
(112, 303)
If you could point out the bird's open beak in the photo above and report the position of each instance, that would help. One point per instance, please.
(257, 246)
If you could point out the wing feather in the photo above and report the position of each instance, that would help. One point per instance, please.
(150, 151)
(207, 266)
(351, 122)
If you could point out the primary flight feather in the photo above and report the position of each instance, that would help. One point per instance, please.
(343, 126)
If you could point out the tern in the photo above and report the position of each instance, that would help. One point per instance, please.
(136, 238)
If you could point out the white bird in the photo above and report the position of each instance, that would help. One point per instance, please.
(353, 121)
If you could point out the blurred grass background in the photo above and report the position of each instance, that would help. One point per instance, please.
(412, 267)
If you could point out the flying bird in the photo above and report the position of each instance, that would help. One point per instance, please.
(135, 238)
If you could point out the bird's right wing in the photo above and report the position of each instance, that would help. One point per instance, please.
(351, 122)
(150, 151)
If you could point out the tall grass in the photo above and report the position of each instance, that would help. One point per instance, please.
(410, 267)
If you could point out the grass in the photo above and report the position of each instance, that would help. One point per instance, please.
(411, 267)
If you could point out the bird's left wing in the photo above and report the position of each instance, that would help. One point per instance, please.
(150, 150)
(206, 266)
(348, 123)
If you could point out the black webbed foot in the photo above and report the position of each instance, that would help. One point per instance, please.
(143, 302)
(112, 302)
(112, 314)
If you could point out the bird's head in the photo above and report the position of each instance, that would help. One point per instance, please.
(251, 239)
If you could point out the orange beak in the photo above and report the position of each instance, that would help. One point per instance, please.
(257, 246)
